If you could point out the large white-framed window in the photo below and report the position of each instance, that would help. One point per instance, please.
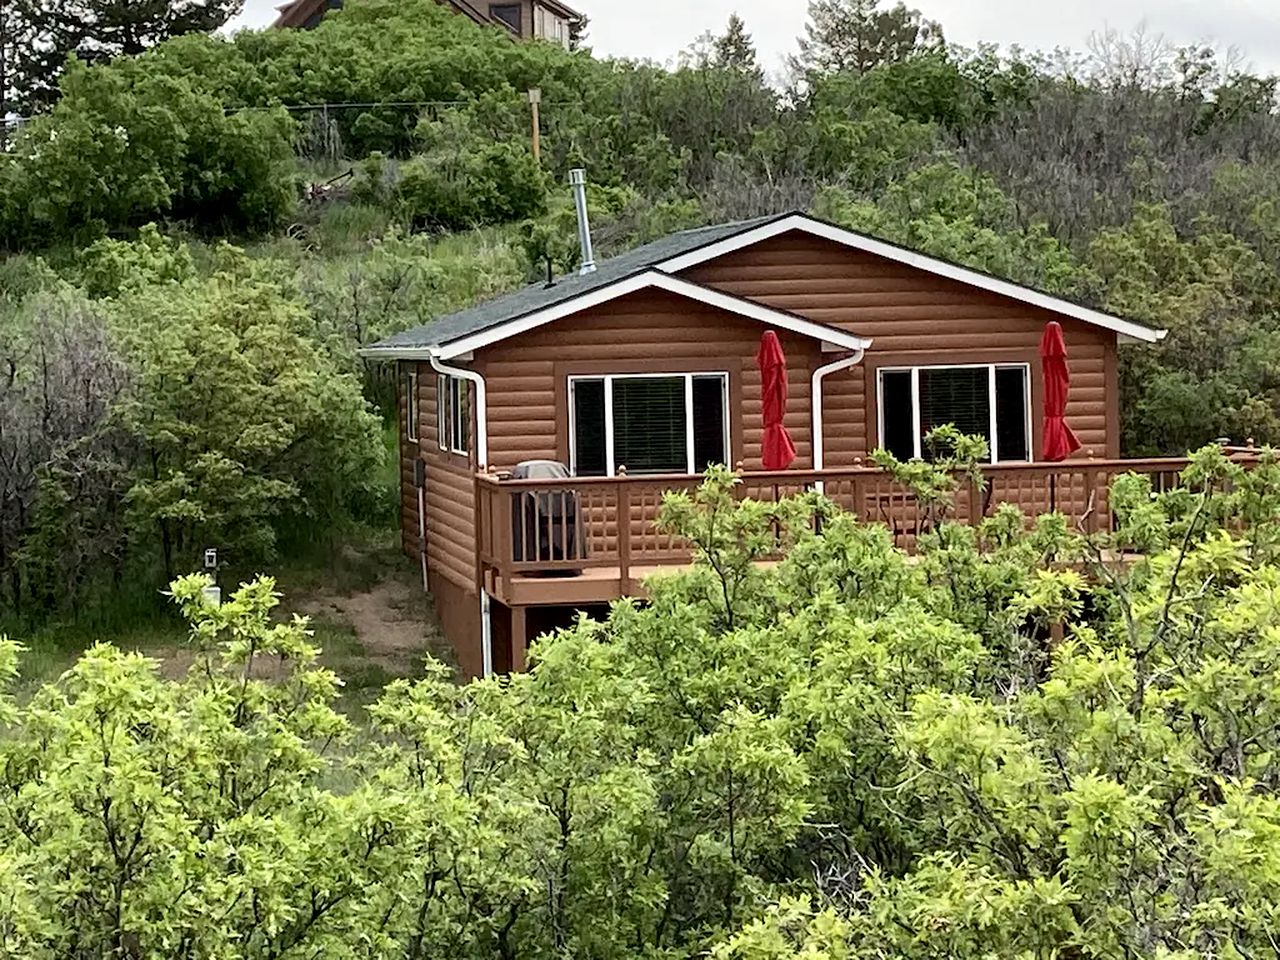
(648, 422)
(411, 405)
(991, 400)
(453, 414)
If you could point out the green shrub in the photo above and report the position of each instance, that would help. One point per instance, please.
(456, 190)
(124, 146)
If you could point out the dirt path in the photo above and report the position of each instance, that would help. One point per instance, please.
(371, 632)
(388, 620)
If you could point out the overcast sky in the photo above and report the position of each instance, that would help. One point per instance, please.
(659, 29)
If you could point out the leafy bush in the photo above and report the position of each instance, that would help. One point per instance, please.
(123, 147)
(849, 753)
(173, 412)
(244, 421)
(461, 181)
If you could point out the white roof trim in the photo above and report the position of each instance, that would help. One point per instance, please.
(651, 279)
(1127, 329)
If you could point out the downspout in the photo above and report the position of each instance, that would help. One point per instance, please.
(819, 440)
(482, 464)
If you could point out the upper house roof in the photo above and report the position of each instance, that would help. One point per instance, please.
(655, 265)
(307, 13)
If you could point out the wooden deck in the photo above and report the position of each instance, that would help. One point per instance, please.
(593, 540)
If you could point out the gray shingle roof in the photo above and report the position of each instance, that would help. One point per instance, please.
(539, 297)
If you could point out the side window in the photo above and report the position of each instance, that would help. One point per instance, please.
(460, 408)
(411, 405)
(453, 414)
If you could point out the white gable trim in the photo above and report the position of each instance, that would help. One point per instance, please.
(1127, 329)
(650, 280)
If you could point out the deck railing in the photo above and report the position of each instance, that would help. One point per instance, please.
(565, 527)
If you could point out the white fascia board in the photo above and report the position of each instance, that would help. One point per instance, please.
(651, 279)
(396, 353)
(1127, 329)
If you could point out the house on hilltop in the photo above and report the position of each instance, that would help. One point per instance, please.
(541, 430)
(547, 20)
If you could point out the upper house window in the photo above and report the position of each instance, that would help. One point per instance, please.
(549, 26)
(508, 14)
(674, 423)
(992, 401)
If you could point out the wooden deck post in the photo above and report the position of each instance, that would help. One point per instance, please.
(624, 535)
(519, 640)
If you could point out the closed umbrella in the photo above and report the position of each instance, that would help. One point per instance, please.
(778, 451)
(1059, 440)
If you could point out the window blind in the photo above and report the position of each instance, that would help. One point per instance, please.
(649, 424)
(959, 396)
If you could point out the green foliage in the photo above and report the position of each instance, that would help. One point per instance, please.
(175, 411)
(857, 36)
(394, 281)
(1215, 295)
(113, 267)
(124, 146)
(150, 818)
(243, 419)
(843, 753)
(38, 36)
(459, 182)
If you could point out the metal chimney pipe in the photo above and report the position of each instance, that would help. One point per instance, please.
(578, 180)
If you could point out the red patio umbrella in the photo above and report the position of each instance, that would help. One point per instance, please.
(1059, 440)
(778, 451)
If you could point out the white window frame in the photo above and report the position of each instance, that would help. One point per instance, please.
(411, 406)
(453, 433)
(991, 368)
(609, 440)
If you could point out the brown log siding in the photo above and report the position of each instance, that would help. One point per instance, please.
(409, 452)
(450, 491)
(646, 332)
(915, 318)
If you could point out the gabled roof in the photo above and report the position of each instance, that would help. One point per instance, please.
(539, 297)
(461, 343)
(655, 264)
(562, 9)
(891, 251)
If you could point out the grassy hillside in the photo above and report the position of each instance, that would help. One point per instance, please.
(189, 235)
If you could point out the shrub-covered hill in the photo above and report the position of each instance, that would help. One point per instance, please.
(1150, 187)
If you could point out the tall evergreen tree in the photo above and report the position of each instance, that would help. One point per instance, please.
(735, 49)
(858, 35)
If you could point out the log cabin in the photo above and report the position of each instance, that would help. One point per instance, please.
(541, 430)
(547, 20)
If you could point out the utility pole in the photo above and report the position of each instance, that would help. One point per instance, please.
(535, 103)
